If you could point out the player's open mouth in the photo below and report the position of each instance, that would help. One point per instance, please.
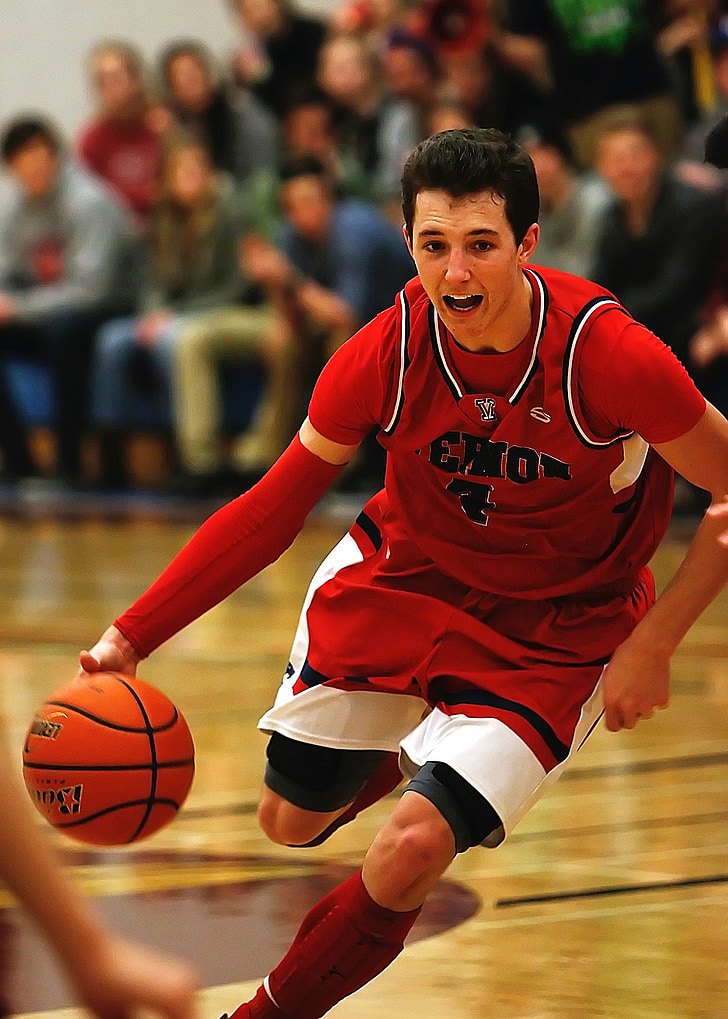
(463, 304)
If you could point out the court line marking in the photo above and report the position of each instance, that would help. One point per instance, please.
(485, 923)
(640, 767)
(627, 889)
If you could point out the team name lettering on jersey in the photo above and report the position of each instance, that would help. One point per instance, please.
(476, 457)
(460, 453)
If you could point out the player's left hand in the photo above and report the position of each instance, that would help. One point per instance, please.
(112, 653)
(636, 682)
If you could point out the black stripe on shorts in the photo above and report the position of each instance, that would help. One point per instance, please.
(490, 700)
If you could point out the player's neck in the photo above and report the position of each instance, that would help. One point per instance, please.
(509, 327)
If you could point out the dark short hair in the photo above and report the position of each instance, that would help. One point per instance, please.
(304, 165)
(400, 39)
(549, 134)
(467, 160)
(24, 131)
(185, 48)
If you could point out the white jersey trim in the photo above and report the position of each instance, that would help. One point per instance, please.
(570, 386)
(404, 335)
(519, 388)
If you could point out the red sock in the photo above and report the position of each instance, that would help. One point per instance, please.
(382, 781)
(345, 941)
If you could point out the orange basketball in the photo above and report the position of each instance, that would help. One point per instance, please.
(108, 760)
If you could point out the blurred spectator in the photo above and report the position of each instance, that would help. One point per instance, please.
(66, 265)
(684, 41)
(448, 115)
(121, 143)
(412, 79)
(660, 236)
(248, 333)
(708, 351)
(279, 52)
(193, 266)
(411, 72)
(241, 134)
(373, 131)
(371, 20)
(451, 29)
(494, 93)
(572, 203)
(351, 260)
(594, 56)
(308, 129)
(692, 165)
(337, 264)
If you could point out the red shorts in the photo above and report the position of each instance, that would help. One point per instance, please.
(391, 653)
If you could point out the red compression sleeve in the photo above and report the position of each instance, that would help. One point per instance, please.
(234, 544)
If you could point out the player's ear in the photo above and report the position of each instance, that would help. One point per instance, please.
(407, 240)
(528, 245)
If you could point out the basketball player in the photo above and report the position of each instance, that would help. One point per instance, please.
(494, 600)
(113, 978)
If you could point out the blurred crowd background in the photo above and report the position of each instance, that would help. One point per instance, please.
(181, 261)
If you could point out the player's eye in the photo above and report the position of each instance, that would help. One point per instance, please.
(483, 245)
(433, 246)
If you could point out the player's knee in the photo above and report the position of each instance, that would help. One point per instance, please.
(423, 839)
(286, 824)
(471, 818)
(307, 786)
(269, 816)
(410, 853)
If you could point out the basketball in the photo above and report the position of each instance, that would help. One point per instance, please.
(108, 760)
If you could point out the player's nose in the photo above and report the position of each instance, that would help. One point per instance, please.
(458, 269)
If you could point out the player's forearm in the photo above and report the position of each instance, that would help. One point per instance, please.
(701, 577)
(231, 546)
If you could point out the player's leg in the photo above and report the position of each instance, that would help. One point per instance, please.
(335, 740)
(357, 930)
(311, 790)
(337, 695)
(474, 778)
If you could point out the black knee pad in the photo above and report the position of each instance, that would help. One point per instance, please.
(471, 817)
(318, 778)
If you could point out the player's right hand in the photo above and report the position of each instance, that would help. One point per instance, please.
(112, 653)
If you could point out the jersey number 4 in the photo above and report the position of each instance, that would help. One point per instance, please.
(474, 499)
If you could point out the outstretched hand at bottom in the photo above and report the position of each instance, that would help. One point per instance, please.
(125, 979)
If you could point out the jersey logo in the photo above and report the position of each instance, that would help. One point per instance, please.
(486, 406)
(540, 414)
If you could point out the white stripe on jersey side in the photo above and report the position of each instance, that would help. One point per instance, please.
(570, 386)
(634, 447)
(402, 363)
(516, 395)
(634, 454)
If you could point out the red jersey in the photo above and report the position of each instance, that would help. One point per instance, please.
(127, 156)
(534, 485)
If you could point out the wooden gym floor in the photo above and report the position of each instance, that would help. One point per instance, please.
(610, 900)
